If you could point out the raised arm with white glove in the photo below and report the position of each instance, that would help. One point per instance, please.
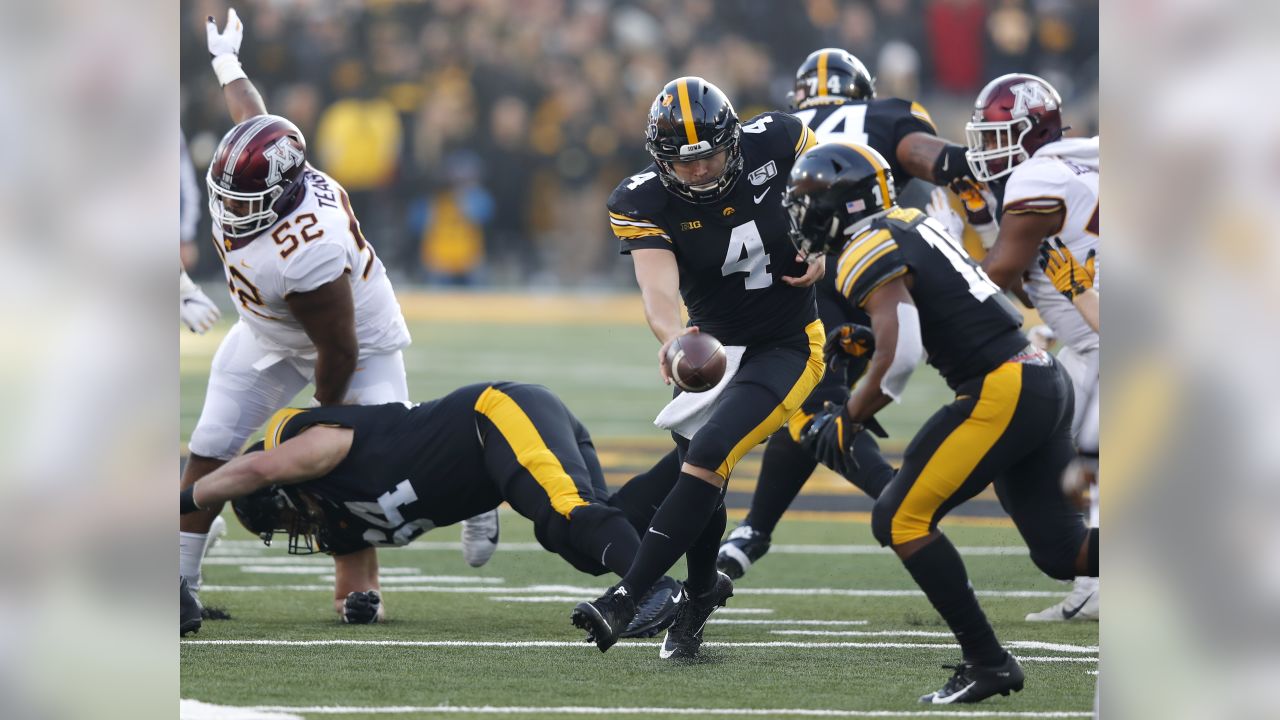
(197, 310)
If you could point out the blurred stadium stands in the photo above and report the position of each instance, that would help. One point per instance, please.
(479, 139)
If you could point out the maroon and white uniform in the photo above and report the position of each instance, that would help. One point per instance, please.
(292, 231)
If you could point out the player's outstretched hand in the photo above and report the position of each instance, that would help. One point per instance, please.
(198, 312)
(362, 608)
(815, 270)
(662, 354)
(939, 208)
(829, 439)
(228, 41)
(848, 351)
(1067, 274)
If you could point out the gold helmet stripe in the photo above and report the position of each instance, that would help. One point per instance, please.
(880, 172)
(686, 111)
(822, 74)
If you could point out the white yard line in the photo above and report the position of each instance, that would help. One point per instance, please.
(728, 621)
(591, 592)
(539, 598)
(638, 644)
(863, 633)
(610, 711)
(283, 569)
(454, 546)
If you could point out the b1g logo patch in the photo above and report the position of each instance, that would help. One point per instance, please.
(691, 225)
(762, 174)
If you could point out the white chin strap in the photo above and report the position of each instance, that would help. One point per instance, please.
(906, 355)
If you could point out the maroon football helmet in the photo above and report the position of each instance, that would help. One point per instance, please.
(255, 175)
(1014, 116)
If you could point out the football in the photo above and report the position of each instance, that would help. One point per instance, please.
(696, 362)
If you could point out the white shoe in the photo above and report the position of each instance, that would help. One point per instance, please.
(1080, 604)
(217, 531)
(480, 538)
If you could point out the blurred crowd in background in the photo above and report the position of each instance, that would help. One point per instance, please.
(479, 139)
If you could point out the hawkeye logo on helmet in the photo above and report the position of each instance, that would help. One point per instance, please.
(667, 100)
(762, 174)
(1028, 95)
(283, 155)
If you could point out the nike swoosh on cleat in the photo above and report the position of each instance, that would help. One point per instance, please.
(956, 695)
(655, 532)
(1068, 614)
(761, 196)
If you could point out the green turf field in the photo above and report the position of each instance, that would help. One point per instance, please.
(826, 625)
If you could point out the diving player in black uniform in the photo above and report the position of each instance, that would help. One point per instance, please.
(704, 223)
(351, 478)
(835, 97)
(1011, 420)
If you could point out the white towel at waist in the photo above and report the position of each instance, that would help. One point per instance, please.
(688, 412)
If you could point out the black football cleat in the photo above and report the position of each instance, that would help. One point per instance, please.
(606, 617)
(740, 550)
(684, 637)
(656, 610)
(974, 683)
(189, 609)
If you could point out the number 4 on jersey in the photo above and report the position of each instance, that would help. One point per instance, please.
(755, 263)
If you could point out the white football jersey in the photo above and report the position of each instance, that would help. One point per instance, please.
(314, 245)
(1061, 176)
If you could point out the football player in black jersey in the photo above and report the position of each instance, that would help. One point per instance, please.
(704, 223)
(1010, 422)
(835, 97)
(346, 479)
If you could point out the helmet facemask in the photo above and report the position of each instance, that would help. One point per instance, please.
(258, 212)
(995, 147)
(273, 510)
(666, 153)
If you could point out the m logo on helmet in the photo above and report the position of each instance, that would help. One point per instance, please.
(283, 156)
(1028, 95)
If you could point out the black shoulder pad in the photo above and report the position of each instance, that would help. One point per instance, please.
(639, 196)
(902, 218)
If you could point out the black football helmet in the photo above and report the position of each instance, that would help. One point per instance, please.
(691, 119)
(835, 190)
(269, 510)
(831, 76)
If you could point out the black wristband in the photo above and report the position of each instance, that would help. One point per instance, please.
(951, 165)
(188, 500)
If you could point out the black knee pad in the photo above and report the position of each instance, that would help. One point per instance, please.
(586, 520)
(554, 532)
(882, 522)
(1058, 563)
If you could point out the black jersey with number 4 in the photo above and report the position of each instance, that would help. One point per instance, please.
(880, 123)
(734, 253)
(968, 326)
(410, 468)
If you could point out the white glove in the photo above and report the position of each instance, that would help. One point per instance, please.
(197, 310)
(228, 41)
(939, 208)
(225, 47)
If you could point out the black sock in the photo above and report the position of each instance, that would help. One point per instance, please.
(675, 527)
(640, 497)
(783, 471)
(873, 472)
(1092, 569)
(614, 543)
(939, 571)
(701, 558)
